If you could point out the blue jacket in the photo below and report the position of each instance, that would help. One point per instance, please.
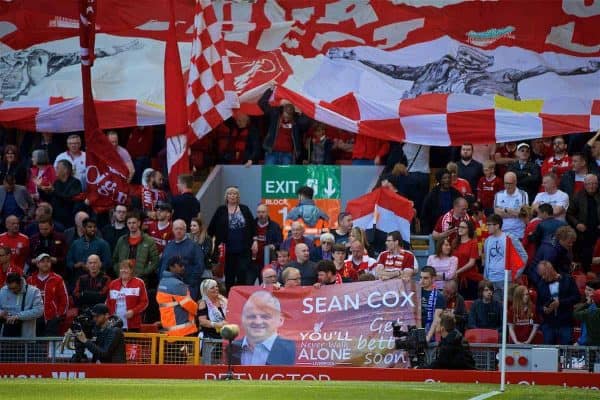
(568, 296)
(80, 250)
(309, 212)
(193, 260)
(33, 309)
(551, 251)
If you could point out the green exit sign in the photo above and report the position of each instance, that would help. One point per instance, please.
(282, 182)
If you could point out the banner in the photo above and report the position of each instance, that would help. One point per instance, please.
(335, 325)
(434, 72)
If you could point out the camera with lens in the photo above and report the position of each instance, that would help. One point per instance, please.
(84, 322)
(413, 341)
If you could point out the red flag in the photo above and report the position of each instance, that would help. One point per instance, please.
(178, 160)
(106, 172)
(513, 260)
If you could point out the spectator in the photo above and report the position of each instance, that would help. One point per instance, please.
(418, 174)
(185, 205)
(319, 146)
(572, 182)
(51, 242)
(327, 274)
(152, 192)
(177, 308)
(432, 302)
(541, 148)
(467, 253)
(307, 268)
(342, 232)
(296, 236)
(495, 254)
(486, 312)
(307, 212)
(468, 168)
(526, 171)
(560, 162)
(444, 263)
(41, 174)
(545, 230)
(584, 215)
(268, 235)
(6, 267)
(161, 229)
(558, 199)
(91, 288)
(20, 306)
(358, 263)
(291, 277)
(588, 314)
(557, 294)
(455, 305)
(368, 150)
(240, 141)
(64, 191)
(508, 203)
(359, 235)
(283, 143)
(15, 200)
(489, 184)
(139, 249)
(76, 159)
(109, 346)
(505, 155)
(77, 231)
(325, 250)
(453, 351)
(391, 262)
(438, 202)
(117, 228)
(199, 234)
(522, 319)
(339, 257)
(212, 310)
(462, 185)
(44, 141)
(233, 225)
(447, 224)
(43, 210)
(592, 153)
(189, 253)
(558, 251)
(54, 296)
(282, 259)
(10, 166)
(16, 242)
(113, 138)
(269, 277)
(127, 297)
(82, 248)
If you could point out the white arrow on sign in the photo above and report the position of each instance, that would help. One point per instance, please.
(329, 190)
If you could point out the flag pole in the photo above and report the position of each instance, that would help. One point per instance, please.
(504, 333)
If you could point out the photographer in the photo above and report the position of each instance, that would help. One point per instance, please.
(453, 350)
(109, 346)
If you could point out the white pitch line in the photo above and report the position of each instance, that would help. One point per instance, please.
(485, 395)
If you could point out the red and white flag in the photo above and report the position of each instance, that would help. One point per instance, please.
(513, 260)
(382, 209)
(178, 160)
(210, 91)
(107, 173)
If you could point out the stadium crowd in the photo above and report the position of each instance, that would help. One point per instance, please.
(158, 260)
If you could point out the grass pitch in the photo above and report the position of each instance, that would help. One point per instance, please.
(117, 389)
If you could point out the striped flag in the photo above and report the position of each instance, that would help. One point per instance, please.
(210, 90)
(384, 209)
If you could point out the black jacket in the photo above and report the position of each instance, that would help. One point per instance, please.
(453, 353)
(577, 213)
(274, 234)
(109, 346)
(185, 206)
(283, 352)
(568, 296)
(219, 226)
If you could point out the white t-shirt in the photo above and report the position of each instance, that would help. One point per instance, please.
(78, 165)
(515, 201)
(121, 307)
(558, 198)
(421, 163)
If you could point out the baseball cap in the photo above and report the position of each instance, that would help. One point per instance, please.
(41, 257)
(521, 145)
(100, 309)
(163, 205)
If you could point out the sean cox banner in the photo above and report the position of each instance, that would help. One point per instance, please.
(337, 325)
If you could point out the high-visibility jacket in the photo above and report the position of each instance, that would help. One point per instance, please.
(177, 308)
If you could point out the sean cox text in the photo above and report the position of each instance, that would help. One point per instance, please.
(375, 300)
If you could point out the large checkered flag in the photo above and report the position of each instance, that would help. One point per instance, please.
(210, 90)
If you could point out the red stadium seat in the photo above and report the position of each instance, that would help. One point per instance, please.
(468, 304)
(148, 328)
(481, 335)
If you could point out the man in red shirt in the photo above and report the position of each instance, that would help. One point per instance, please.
(395, 259)
(358, 263)
(16, 241)
(505, 155)
(54, 295)
(161, 230)
(447, 224)
(560, 162)
(296, 236)
(5, 266)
